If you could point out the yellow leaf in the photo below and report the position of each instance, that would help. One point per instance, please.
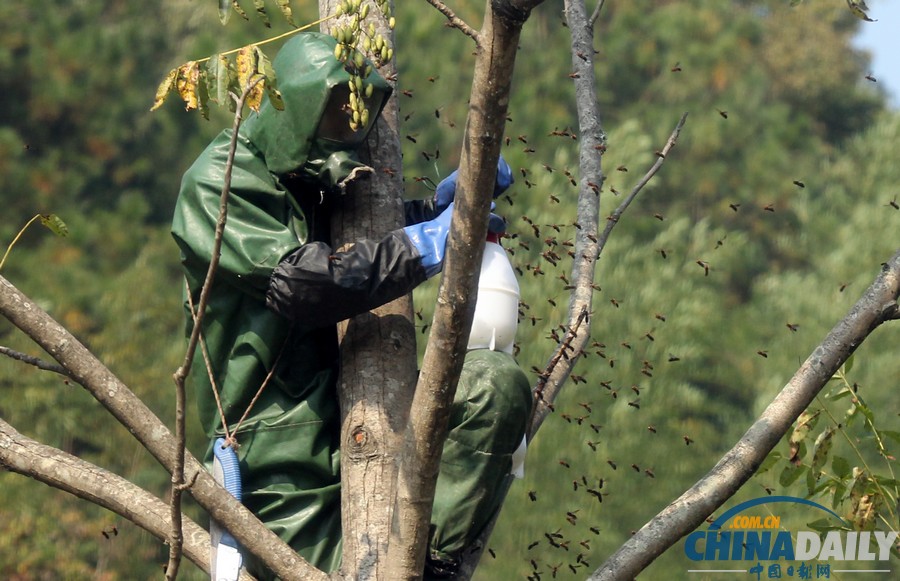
(163, 90)
(239, 10)
(859, 9)
(254, 97)
(246, 65)
(186, 83)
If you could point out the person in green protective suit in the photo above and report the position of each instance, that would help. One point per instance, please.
(487, 419)
(269, 325)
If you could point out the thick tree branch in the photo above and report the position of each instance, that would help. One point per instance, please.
(89, 482)
(132, 413)
(442, 362)
(877, 305)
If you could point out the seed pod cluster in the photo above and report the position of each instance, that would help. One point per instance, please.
(353, 40)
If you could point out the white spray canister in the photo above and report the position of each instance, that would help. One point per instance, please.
(497, 316)
(497, 308)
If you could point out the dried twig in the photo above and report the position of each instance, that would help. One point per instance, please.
(176, 537)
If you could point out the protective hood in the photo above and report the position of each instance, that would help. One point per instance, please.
(311, 81)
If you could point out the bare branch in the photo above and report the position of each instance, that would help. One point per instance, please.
(132, 413)
(35, 361)
(596, 13)
(89, 482)
(565, 351)
(453, 20)
(592, 140)
(613, 218)
(877, 305)
(176, 537)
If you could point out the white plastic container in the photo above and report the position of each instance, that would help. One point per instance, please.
(497, 307)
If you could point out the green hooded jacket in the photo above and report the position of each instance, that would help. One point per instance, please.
(274, 251)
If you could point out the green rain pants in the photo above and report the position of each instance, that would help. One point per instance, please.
(487, 422)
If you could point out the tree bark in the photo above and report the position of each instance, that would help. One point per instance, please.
(378, 351)
(877, 305)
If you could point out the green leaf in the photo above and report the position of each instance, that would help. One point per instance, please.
(841, 467)
(844, 392)
(866, 411)
(823, 525)
(892, 434)
(55, 224)
(848, 364)
(202, 93)
(840, 492)
(812, 476)
(771, 459)
(260, 6)
(224, 11)
(264, 65)
(822, 487)
(285, 6)
(821, 450)
(219, 78)
(805, 423)
(790, 474)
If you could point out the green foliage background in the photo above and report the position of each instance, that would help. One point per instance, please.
(782, 183)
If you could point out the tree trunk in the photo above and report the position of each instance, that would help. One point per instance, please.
(378, 353)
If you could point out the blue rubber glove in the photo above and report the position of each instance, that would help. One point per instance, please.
(430, 240)
(446, 190)
(496, 223)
